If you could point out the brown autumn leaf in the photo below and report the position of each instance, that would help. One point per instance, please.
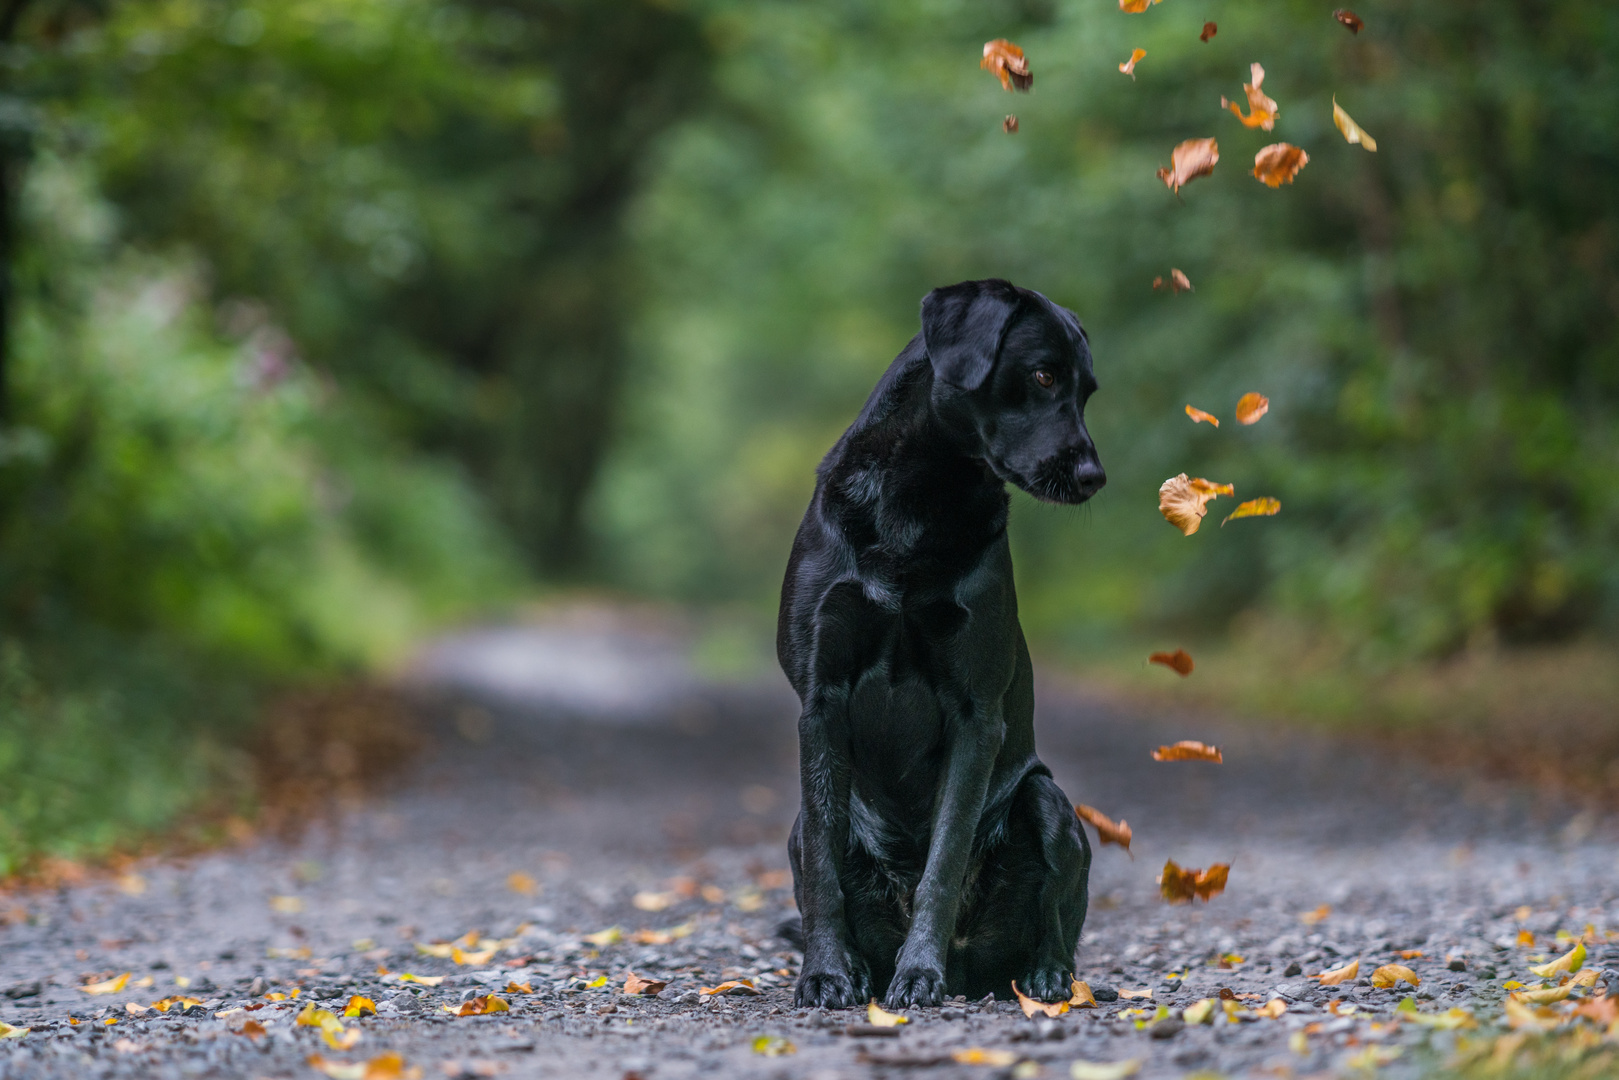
(1279, 163)
(1265, 507)
(1188, 161)
(1179, 661)
(1604, 1010)
(1108, 831)
(1179, 885)
(1389, 974)
(1337, 975)
(1082, 998)
(1349, 19)
(1262, 111)
(1352, 132)
(1030, 1005)
(1184, 500)
(1209, 30)
(1251, 406)
(252, 1029)
(1189, 750)
(482, 1005)
(1009, 125)
(1201, 417)
(635, 984)
(1129, 66)
(1008, 64)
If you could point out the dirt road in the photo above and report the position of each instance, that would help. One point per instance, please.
(592, 806)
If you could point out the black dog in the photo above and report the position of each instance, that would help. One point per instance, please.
(933, 853)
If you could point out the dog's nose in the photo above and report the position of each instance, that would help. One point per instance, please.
(1089, 476)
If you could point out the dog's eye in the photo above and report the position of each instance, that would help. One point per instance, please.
(1044, 378)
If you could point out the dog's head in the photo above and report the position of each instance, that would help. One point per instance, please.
(1017, 368)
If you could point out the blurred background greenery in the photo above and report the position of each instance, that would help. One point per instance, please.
(327, 321)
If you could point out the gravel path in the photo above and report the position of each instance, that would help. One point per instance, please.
(584, 780)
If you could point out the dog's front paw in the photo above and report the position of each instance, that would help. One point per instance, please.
(1048, 983)
(916, 985)
(831, 990)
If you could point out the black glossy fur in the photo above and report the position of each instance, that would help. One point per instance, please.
(933, 854)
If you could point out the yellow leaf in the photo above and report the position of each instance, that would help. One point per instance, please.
(1272, 1009)
(1129, 66)
(878, 1017)
(1339, 975)
(7, 1031)
(521, 884)
(1587, 978)
(1373, 1057)
(1104, 1070)
(1522, 1016)
(337, 1070)
(482, 1005)
(603, 938)
(472, 959)
(1030, 1005)
(1266, 507)
(1526, 940)
(1570, 961)
(1201, 1012)
(1545, 995)
(773, 1046)
(1353, 132)
(1310, 918)
(1200, 417)
(1299, 1043)
(1081, 998)
(1512, 984)
(977, 1055)
(1389, 974)
(735, 987)
(275, 995)
(422, 980)
(1449, 1020)
(519, 988)
(440, 949)
(108, 986)
(1184, 500)
(600, 980)
(360, 1006)
(340, 1039)
(1179, 885)
(286, 905)
(654, 901)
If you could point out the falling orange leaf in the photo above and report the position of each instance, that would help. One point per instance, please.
(1179, 661)
(1251, 406)
(1180, 886)
(635, 984)
(1189, 750)
(1279, 163)
(1265, 507)
(1190, 160)
(1030, 1005)
(1129, 66)
(1136, 7)
(1183, 500)
(1349, 19)
(1389, 974)
(1108, 831)
(1009, 125)
(735, 987)
(1338, 975)
(1209, 30)
(1081, 998)
(1008, 64)
(1199, 416)
(1352, 132)
(1262, 111)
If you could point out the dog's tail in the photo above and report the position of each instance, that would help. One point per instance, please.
(792, 931)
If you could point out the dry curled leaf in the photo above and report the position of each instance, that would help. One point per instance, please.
(1265, 507)
(735, 987)
(1337, 975)
(1188, 161)
(1009, 125)
(635, 984)
(1129, 66)
(1081, 996)
(1178, 282)
(1184, 500)
(1279, 163)
(1008, 64)
(8, 1031)
(1189, 750)
(1108, 831)
(1352, 132)
(1545, 995)
(107, 986)
(877, 1016)
(1389, 974)
(1201, 417)
(1179, 661)
(1349, 19)
(1030, 1005)
(1262, 111)
(1180, 886)
(482, 1005)
(977, 1055)
(1570, 961)
(1272, 1009)
(360, 1006)
(1251, 406)
(1209, 30)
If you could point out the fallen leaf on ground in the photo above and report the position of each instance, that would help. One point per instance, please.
(360, 1006)
(1081, 998)
(1389, 974)
(1009, 125)
(1104, 1070)
(422, 980)
(600, 980)
(1265, 507)
(878, 1017)
(339, 1039)
(1279, 163)
(1200, 417)
(1353, 132)
(773, 1046)
(1209, 30)
(653, 901)
(1410, 954)
(1137, 995)
(1008, 64)
(472, 959)
(1178, 661)
(519, 988)
(1129, 66)
(977, 1055)
(135, 1008)
(1521, 1016)
(1179, 885)
(170, 1002)
(286, 905)
(1250, 407)
(1030, 1005)
(482, 1005)
(1262, 111)
(1450, 1020)
(1526, 939)
(1545, 995)
(635, 984)
(1108, 831)
(1604, 1010)
(1373, 1057)
(1310, 918)
(1586, 978)
(1178, 282)
(1349, 19)
(1188, 750)
(7, 1031)
(1201, 1012)
(1337, 975)
(1272, 1009)
(438, 949)
(736, 987)
(1190, 160)
(603, 938)
(252, 1029)
(382, 1067)
(1183, 500)
(1570, 961)
(107, 986)
(662, 937)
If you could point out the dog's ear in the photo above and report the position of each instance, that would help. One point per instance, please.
(963, 327)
